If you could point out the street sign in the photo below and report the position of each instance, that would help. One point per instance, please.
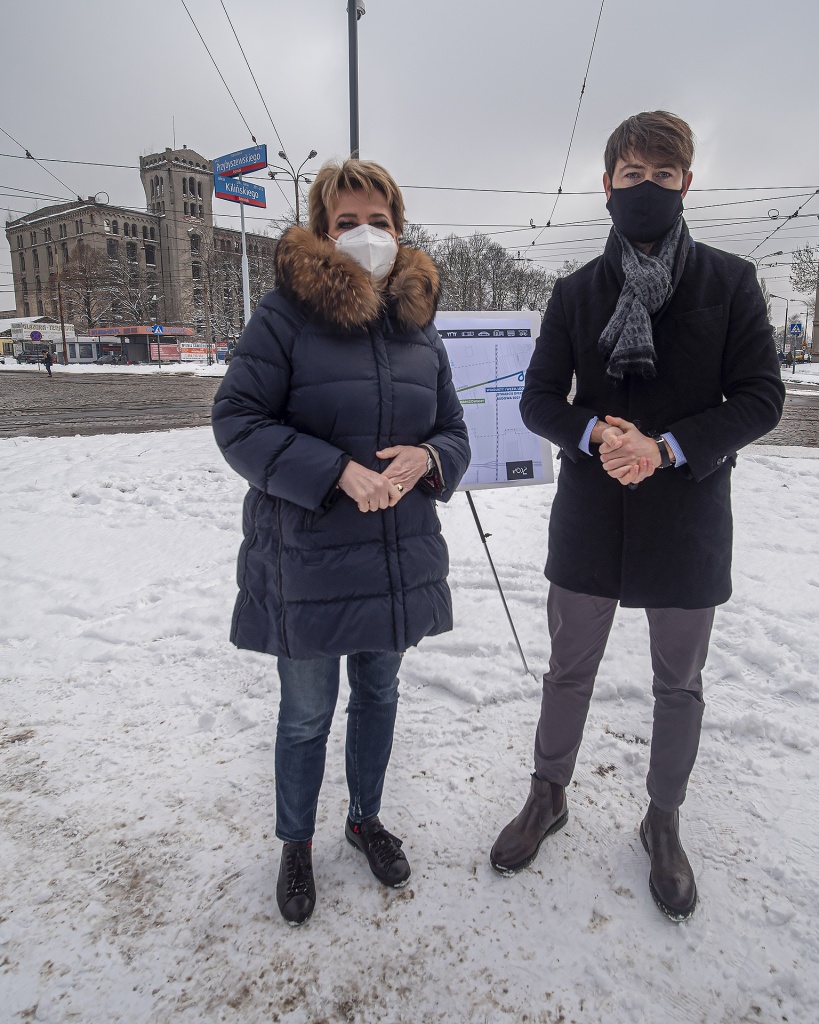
(240, 162)
(244, 192)
(36, 336)
(795, 330)
(157, 329)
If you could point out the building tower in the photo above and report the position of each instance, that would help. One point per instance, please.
(178, 188)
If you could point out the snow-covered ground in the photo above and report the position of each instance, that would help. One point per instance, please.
(137, 801)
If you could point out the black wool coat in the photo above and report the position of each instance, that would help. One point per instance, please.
(327, 370)
(667, 542)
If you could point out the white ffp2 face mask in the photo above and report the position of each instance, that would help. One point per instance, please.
(372, 248)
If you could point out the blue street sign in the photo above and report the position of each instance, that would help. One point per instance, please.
(234, 191)
(240, 162)
(795, 330)
(156, 329)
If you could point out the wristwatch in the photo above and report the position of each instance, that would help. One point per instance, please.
(430, 459)
(665, 460)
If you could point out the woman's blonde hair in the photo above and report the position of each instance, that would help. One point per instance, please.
(352, 175)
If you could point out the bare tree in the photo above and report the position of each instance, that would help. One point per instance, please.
(805, 269)
(86, 285)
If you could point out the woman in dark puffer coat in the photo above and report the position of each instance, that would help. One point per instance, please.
(339, 409)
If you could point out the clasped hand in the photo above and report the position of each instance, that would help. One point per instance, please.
(626, 453)
(372, 491)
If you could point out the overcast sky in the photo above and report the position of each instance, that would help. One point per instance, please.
(462, 94)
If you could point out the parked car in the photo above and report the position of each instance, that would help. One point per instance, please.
(108, 359)
(29, 357)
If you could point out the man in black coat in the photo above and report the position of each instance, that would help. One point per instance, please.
(676, 370)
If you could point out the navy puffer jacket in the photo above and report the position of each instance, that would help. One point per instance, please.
(330, 369)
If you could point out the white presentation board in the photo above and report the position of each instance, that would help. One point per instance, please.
(489, 353)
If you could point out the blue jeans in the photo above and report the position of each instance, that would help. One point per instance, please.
(309, 692)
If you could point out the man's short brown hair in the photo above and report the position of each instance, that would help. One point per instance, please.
(352, 175)
(655, 134)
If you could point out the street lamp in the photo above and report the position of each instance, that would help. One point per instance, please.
(292, 174)
(355, 11)
(807, 312)
(785, 331)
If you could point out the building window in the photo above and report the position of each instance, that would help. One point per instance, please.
(38, 287)
(49, 258)
(201, 212)
(113, 248)
(150, 255)
(184, 188)
(64, 249)
(144, 233)
(191, 188)
(153, 236)
(162, 190)
(126, 230)
(133, 231)
(107, 225)
(25, 287)
(63, 231)
(92, 219)
(199, 189)
(40, 309)
(194, 243)
(131, 251)
(114, 227)
(33, 237)
(48, 234)
(77, 227)
(36, 257)
(72, 351)
(185, 209)
(196, 271)
(26, 309)
(22, 262)
(19, 241)
(163, 208)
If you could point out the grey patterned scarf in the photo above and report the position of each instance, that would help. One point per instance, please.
(626, 342)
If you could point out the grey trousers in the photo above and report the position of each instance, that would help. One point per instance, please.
(579, 626)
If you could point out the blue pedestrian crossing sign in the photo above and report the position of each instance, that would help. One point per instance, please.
(795, 330)
(157, 329)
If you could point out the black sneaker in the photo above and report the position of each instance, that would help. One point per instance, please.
(382, 850)
(295, 889)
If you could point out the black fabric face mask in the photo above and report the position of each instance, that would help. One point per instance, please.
(645, 212)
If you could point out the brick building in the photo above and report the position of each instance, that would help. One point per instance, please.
(166, 264)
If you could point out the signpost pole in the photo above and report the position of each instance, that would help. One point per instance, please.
(245, 267)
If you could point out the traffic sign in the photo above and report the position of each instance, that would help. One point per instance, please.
(157, 329)
(36, 336)
(795, 330)
(244, 192)
(240, 162)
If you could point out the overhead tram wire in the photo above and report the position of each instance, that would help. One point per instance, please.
(28, 156)
(258, 90)
(779, 227)
(574, 126)
(235, 104)
(465, 188)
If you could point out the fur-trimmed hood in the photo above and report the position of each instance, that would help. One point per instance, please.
(315, 272)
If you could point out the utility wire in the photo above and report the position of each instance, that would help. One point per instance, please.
(574, 126)
(235, 104)
(28, 156)
(784, 222)
(258, 90)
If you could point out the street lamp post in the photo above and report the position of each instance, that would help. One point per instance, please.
(785, 329)
(807, 312)
(355, 10)
(292, 174)
(757, 260)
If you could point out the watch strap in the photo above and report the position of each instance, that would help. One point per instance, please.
(665, 458)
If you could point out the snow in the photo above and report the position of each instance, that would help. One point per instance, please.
(137, 805)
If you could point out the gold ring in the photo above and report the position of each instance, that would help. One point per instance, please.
(399, 487)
